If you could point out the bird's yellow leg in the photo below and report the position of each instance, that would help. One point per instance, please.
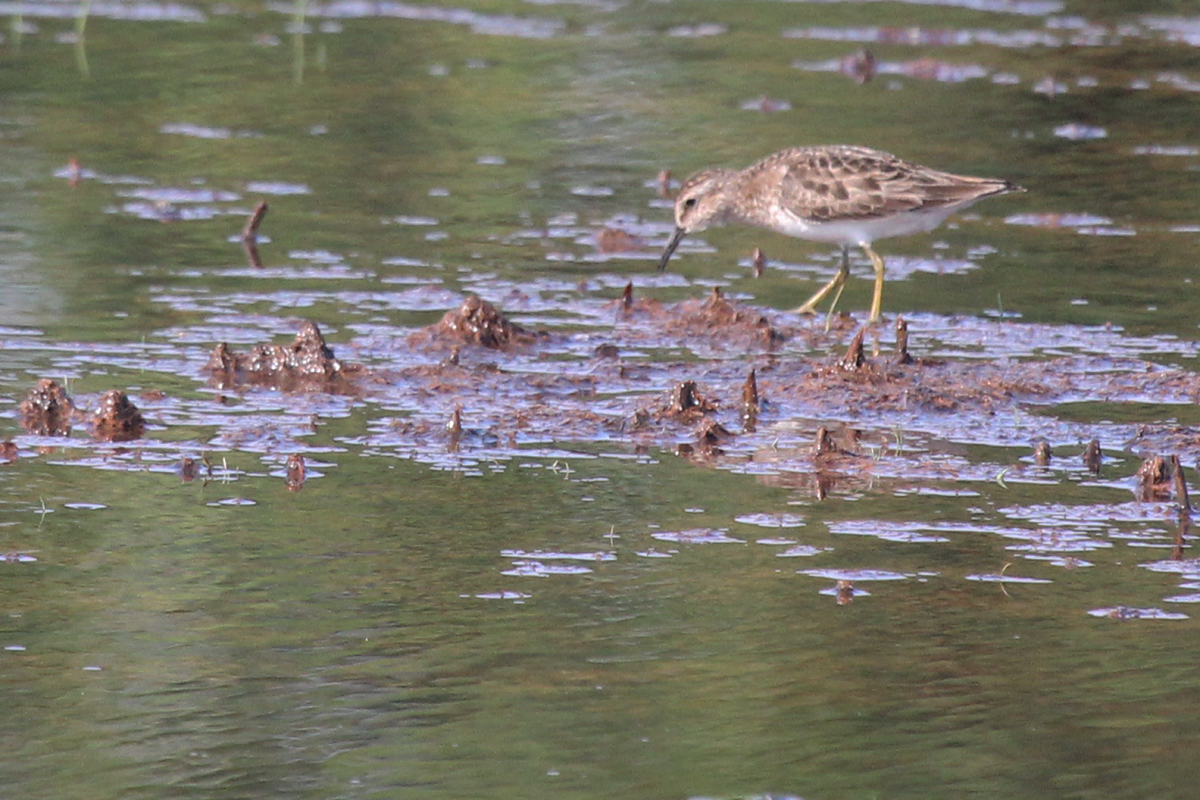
(838, 282)
(877, 303)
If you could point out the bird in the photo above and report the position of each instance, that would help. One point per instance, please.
(841, 194)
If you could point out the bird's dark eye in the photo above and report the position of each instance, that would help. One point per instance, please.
(689, 203)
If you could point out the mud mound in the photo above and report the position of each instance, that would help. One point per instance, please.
(475, 322)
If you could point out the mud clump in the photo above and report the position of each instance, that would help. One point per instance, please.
(475, 322)
(305, 364)
(1155, 479)
(687, 404)
(715, 315)
(615, 240)
(116, 419)
(47, 410)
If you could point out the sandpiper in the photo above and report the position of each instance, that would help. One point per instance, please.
(840, 194)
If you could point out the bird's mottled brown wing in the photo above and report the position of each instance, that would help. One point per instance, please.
(846, 183)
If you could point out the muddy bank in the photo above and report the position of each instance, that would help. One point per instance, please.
(719, 381)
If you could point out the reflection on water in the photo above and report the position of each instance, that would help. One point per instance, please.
(499, 578)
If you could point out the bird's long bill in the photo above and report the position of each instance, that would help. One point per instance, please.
(676, 238)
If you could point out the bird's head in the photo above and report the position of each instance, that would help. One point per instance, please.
(701, 202)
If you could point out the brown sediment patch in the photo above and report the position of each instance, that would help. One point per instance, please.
(860, 383)
(475, 322)
(47, 410)
(116, 419)
(307, 364)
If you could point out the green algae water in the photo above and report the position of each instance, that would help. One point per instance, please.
(521, 610)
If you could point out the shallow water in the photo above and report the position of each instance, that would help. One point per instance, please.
(574, 592)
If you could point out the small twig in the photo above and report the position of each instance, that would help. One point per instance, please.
(250, 232)
(1181, 491)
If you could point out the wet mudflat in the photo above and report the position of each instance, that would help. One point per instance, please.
(352, 446)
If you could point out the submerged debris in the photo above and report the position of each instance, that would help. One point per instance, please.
(306, 363)
(475, 322)
(116, 419)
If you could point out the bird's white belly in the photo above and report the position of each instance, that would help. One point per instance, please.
(862, 231)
